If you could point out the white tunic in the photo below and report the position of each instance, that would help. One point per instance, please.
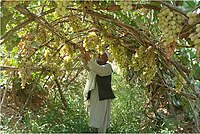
(99, 111)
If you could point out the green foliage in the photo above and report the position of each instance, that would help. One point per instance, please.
(56, 120)
(128, 107)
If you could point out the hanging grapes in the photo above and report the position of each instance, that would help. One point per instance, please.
(195, 36)
(171, 24)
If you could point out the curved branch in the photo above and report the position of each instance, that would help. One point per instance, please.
(141, 38)
(23, 24)
(184, 76)
(175, 64)
(112, 8)
(13, 30)
(64, 101)
(173, 8)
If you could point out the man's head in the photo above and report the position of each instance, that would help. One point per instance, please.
(103, 58)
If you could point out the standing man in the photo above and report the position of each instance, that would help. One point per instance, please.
(98, 93)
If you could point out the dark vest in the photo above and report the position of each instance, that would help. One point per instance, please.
(104, 88)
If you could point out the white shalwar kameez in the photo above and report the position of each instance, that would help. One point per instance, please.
(99, 111)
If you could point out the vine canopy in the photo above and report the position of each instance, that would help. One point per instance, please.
(159, 42)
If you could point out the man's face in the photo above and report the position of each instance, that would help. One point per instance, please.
(102, 58)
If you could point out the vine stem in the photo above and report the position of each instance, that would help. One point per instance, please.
(173, 7)
(196, 116)
(175, 64)
(61, 93)
(112, 7)
(2, 97)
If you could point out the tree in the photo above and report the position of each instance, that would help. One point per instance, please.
(155, 43)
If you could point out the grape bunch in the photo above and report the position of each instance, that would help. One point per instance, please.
(193, 17)
(67, 49)
(125, 4)
(119, 54)
(24, 73)
(101, 47)
(10, 3)
(26, 48)
(144, 62)
(61, 10)
(75, 24)
(170, 23)
(91, 41)
(195, 36)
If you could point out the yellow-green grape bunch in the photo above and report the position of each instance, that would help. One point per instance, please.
(193, 17)
(100, 49)
(47, 55)
(104, 43)
(144, 62)
(49, 58)
(91, 41)
(67, 60)
(125, 4)
(24, 73)
(10, 3)
(195, 37)
(27, 50)
(67, 50)
(75, 23)
(170, 23)
(55, 44)
(42, 35)
(119, 54)
(52, 61)
(61, 9)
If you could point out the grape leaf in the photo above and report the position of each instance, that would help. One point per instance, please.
(191, 4)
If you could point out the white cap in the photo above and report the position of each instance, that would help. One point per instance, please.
(107, 53)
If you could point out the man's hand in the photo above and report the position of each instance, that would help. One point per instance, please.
(86, 56)
(82, 49)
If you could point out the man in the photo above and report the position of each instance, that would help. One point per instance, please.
(98, 92)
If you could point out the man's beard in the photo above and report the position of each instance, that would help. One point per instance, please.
(100, 62)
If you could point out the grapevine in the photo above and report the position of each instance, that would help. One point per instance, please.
(179, 81)
(75, 24)
(119, 54)
(61, 10)
(24, 73)
(50, 54)
(170, 23)
(125, 4)
(91, 41)
(193, 17)
(102, 46)
(10, 3)
(195, 36)
(143, 61)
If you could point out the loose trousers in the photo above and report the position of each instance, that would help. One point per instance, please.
(99, 112)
